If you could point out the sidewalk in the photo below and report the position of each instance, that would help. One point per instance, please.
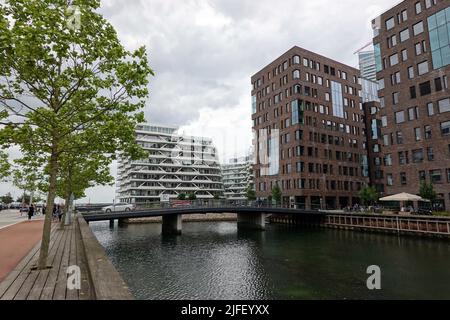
(17, 238)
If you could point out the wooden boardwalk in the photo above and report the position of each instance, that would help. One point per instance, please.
(66, 249)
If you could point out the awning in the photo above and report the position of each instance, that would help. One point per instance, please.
(404, 197)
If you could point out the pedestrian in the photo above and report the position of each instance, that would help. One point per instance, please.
(59, 213)
(54, 211)
(30, 211)
(43, 209)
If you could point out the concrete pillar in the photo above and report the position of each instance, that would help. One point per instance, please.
(111, 223)
(172, 224)
(252, 221)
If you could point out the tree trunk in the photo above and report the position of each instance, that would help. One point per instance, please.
(43, 254)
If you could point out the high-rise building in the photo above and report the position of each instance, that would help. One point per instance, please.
(367, 65)
(238, 177)
(176, 165)
(309, 129)
(412, 54)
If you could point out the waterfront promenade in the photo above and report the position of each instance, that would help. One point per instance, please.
(71, 246)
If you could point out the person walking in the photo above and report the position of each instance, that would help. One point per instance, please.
(54, 211)
(43, 209)
(59, 213)
(30, 211)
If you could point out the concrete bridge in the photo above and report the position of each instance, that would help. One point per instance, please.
(249, 217)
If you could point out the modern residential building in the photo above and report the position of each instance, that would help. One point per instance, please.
(176, 165)
(412, 51)
(309, 129)
(238, 177)
(367, 65)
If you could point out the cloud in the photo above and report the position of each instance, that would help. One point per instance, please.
(204, 53)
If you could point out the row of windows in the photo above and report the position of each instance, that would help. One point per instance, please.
(436, 177)
(308, 63)
(412, 113)
(313, 184)
(403, 15)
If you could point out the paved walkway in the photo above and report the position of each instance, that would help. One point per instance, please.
(17, 237)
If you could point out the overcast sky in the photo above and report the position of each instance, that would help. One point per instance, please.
(205, 51)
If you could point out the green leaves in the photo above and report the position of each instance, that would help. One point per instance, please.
(4, 165)
(427, 191)
(369, 195)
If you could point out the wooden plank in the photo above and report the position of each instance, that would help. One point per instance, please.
(61, 281)
(25, 268)
(73, 294)
(35, 275)
(39, 284)
(49, 288)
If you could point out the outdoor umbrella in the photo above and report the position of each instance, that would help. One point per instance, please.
(403, 197)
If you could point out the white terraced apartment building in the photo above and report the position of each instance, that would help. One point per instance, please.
(176, 165)
(237, 177)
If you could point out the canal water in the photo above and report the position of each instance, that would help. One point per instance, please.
(216, 261)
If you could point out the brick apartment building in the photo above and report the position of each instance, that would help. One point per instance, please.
(413, 65)
(320, 133)
(309, 131)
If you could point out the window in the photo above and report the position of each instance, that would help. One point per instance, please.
(404, 55)
(417, 134)
(436, 176)
(305, 62)
(430, 154)
(444, 105)
(388, 160)
(338, 107)
(403, 158)
(399, 137)
(418, 48)
(427, 130)
(417, 156)
(395, 78)
(395, 97)
(418, 28)
(425, 88)
(422, 176)
(404, 35)
(390, 23)
(296, 74)
(296, 60)
(384, 121)
(422, 68)
(393, 59)
(403, 178)
(390, 180)
(430, 109)
(411, 73)
(412, 92)
(438, 84)
(412, 114)
(445, 128)
(448, 175)
(400, 117)
(418, 7)
(439, 32)
(404, 15)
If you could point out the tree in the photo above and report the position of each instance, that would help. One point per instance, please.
(4, 165)
(276, 193)
(60, 83)
(369, 195)
(192, 196)
(181, 196)
(427, 192)
(7, 199)
(250, 193)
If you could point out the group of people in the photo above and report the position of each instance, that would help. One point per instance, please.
(56, 214)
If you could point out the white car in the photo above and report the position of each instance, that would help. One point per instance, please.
(119, 207)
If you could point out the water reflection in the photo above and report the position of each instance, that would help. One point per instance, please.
(217, 261)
